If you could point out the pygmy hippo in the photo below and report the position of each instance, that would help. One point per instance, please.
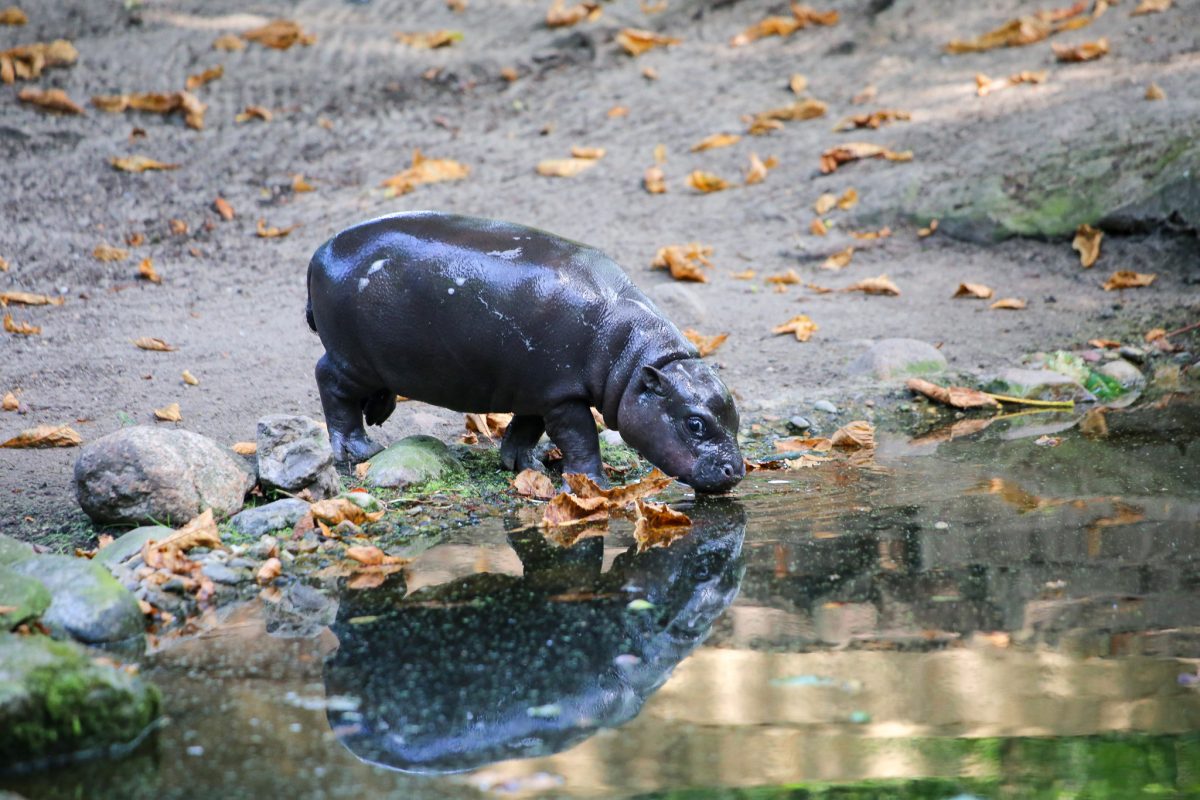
(480, 316)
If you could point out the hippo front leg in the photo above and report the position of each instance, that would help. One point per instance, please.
(572, 427)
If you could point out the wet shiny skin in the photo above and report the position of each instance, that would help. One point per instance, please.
(478, 315)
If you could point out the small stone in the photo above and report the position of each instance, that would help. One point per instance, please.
(22, 598)
(294, 454)
(412, 460)
(128, 544)
(798, 424)
(270, 517)
(266, 547)
(1129, 376)
(220, 573)
(346, 530)
(1134, 354)
(611, 438)
(87, 603)
(13, 550)
(826, 406)
(898, 358)
(1039, 384)
(242, 563)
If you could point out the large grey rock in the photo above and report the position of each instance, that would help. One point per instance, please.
(271, 517)
(899, 358)
(294, 454)
(412, 460)
(55, 700)
(1039, 384)
(145, 475)
(13, 550)
(127, 544)
(22, 598)
(86, 603)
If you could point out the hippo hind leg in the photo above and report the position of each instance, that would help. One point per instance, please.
(516, 450)
(343, 401)
(379, 406)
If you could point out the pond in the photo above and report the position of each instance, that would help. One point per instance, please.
(1009, 612)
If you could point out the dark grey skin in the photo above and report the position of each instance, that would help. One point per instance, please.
(481, 316)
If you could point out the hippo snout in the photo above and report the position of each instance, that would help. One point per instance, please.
(717, 476)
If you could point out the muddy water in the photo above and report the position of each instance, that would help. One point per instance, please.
(980, 616)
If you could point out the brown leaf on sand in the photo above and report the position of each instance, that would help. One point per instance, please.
(50, 100)
(636, 41)
(1009, 304)
(491, 425)
(334, 510)
(279, 34)
(44, 436)
(168, 414)
(955, 396)
(807, 108)
(152, 343)
(209, 75)
(715, 141)
(789, 278)
(13, 16)
(425, 170)
(265, 231)
(1087, 242)
(873, 120)
(834, 157)
(29, 299)
(26, 62)
(800, 325)
(848, 200)
(156, 103)
(559, 15)
(880, 285)
(139, 163)
(706, 182)
(1024, 30)
(684, 261)
(798, 84)
(229, 43)
(976, 290)
(20, 328)
(706, 345)
(579, 151)
(985, 85)
(564, 167)
(838, 260)
(744, 275)
(929, 231)
(3, 265)
(761, 126)
(245, 448)
(857, 435)
(657, 525)
(882, 233)
(1127, 279)
(429, 40)
(1088, 51)
(655, 180)
(618, 496)
(252, 112)
(1155, 92)
(802, 17)
(1150, 7)
(825, 203)
(10, 402)
(565, 510)
(758, 169)
(104, 252)
(818, 227)
(223, 208)
(147, 272)
(189, 378)
(531, 483)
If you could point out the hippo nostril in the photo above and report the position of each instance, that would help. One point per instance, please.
(727, 470)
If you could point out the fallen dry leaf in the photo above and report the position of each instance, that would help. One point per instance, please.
(617, 111)
(928, 231)
(29, 299)
(857, 435)
(564, 167)
(10, 402)
(492, 425)
(1155, 92)
(1107, 344)
(802, 17)
(848, 200)
(1088, 51)
(834, 157)
(773, 119)
(3, 265)
(169, 553)
(135, 239)
(757, 171)
(706, 345)
(271, 569)
(684, 261)
(279, 34)
(147, 272)
(744, 275)
(657, 525)
(706, 182)
(882, 233)
(955, 396)
(873, 120)
(660, 153)
(229, 42)
(798, 83)
(654, 180)
(819, 289)
(559, 15)
(1009, 303)
(44, 436)
(263, 231)
(430, 40)
(209, 75)
(1127, 279)
(104, 252)
(618, 496)
(13, 16)
(818, 227)
(50, 100)
(789, 278)
(977, 290)
(169, 413)
(425, 170)
(531, 483)
(879, 285)
(156, 103)
(715, 141)
(565, 510)
(223, 208)
(825, 203)
(1150, 7)
(578, 151)
(245, 448)
(334, 510)
(761, 126)
(797, 444)
(838, 260)
(26, 62)
(20, 328)
(189, 378)
(636, 41)
(178, 227)
(1087, 242)
(1024, 30)
(151, 343)
(800, 325)
(985, 85)
(252, 113)
(139, 163)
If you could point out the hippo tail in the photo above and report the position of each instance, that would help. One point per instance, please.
(308, 312)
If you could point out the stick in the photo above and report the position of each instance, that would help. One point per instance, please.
(1023, 402)
(1184, 329)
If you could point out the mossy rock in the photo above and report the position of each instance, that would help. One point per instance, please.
(55, 702)
(13, 550)
(87, 603)
(129, 543)
(410, 461)
(21, 599)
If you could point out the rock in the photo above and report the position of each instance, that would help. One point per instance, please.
(1135, 354)
(87, 603)
(149, 475)
(271, 517)
(294, 454)
(130, 543)
(826, 406)
(13, 550)
(1038, 384)
(1121, 370)
(611, 438)
(898, 358)
(412, 460)
(798, 424)
(22, 598)
(220, 573)
(266, 547)
(55, 700)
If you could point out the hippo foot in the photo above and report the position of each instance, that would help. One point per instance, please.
(354, 449)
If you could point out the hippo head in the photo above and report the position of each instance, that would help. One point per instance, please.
(682, 419)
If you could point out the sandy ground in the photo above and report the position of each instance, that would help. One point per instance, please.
(350, 109)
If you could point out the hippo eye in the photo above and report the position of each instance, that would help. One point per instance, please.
(696, 427)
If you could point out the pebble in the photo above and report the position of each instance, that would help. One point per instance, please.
(799, 424)
(264, 548)
(826, 406)
(222, 574)
(1133, 353)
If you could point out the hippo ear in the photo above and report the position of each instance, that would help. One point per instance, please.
(654, 381)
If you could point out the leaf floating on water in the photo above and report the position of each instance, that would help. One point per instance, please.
(955, 396)
(104, 252)
(1009, 304)
(636, 41)
(20, 328)
(873, 120)
(657, 525)
(797, 444)
(50, 100)
(706, 182)
(839, 260)
(169, 413)
(271, 232)
(1127, 279)
(834, 157)
(29, 299)
(139, 163)
(706, 345)
(1087, 242)
(44, 436)
(715, 141)
(976, 290)
(857, 435)
(758, 169)
(800, 325)
(1088, 51)
(279, 34)
(684, 261)
(531, 483)
(618, 496)
(881, 285)
(431, 40)
(566, 510)
(147, 272)
(151, 343)
(559, 15)
(426, 170)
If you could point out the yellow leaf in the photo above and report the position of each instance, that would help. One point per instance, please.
(617, 111)
(818, 228)
(229, 43)
(1009, 304)
(882, 233)
(796, 444)
(660, 153)
(26, 62)
(559, 15)
(838, 260)
(147, 272)
(684, 261)
(798, 83)
(44, 436)
(880, 285)
(567, 509)
(744, 275)
(834, 157)
(757, 172)
(431, 40)
(658, 525)
(873, 120)
(190, 379)
(10, 402)
(151, 343)
(209, 75)
(636, 41)
(139, 163)
(1155, 92)
(279, 34)
(169, 413)
(492, 425)
(1088, 51)
(791, 277)
(104, 252)
(271, 232)
(29, 299)
(1087, 242)
(825, 203)
(706, 345)
(13, 16)
(245, 448)
(253, 112)
(50, 100)
(977, 290)
(654, 180)
(20, 328)
(715, 141)
(857, 435)
(594, 153)
(767, 121)
(1150, 7)
(848, 200)
(923, 232)
(1024, 30)
(801, 326)
(426, 170)
(985, 85)
(334, 510)
(1126, 279)
(706, 182)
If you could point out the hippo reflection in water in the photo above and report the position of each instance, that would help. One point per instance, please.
(492, 667)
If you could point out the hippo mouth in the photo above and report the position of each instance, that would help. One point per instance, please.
(717, 478)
